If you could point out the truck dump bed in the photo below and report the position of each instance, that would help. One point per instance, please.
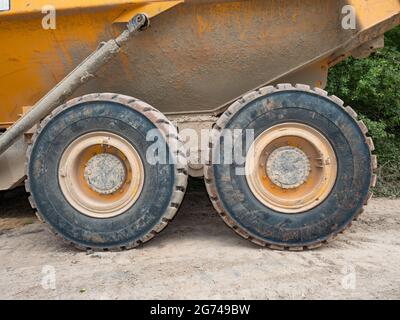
(197, 57)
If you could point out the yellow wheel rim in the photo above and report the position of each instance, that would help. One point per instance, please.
(101, 174)
(291, 168)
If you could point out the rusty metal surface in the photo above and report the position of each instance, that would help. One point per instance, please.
(196, 57)
(211, 53)
(83, 73)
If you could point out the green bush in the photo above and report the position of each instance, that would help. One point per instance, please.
(372, 87)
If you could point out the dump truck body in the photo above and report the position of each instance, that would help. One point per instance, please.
(197, 57)
(215, 65)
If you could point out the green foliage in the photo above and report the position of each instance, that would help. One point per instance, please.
(392, 39)
(372, 87)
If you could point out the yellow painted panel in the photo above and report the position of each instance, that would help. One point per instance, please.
(151, 10)
(29, 6)
(371, 12)
(33, 60)
(200, 33)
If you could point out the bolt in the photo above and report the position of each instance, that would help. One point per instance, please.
(62, 173)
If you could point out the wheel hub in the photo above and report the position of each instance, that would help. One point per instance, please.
(105, 173)
(101, 174)
(288, 167)
(291, 168)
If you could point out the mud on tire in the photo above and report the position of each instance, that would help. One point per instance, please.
(269, 106)
(163, 188)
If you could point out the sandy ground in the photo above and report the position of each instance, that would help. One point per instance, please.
(198, 257)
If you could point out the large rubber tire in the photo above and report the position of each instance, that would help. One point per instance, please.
(163, 188)
(246, 215)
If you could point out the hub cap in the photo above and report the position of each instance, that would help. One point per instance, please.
(288, 167)
(105, 173)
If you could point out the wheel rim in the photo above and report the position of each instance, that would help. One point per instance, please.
(101, 174)
(291, 168)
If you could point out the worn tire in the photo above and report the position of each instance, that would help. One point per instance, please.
(246, 215)
(164, 185)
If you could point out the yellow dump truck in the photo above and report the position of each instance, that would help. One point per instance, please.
(95, 94)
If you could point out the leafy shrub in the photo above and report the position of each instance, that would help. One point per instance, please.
(372, 87)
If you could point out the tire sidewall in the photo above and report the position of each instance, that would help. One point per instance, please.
(52, 206)
(347, 196)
